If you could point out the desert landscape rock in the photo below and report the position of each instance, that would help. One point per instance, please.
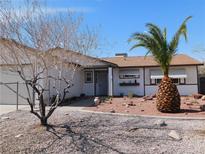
(97, 100)
(197, 96)
(173, 134)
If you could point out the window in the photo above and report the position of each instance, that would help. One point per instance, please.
(129, 76)
(174, 80)
(179, 81)
(158, 81)
(152, 81)
(88, 77)
(178, 76)
(182, 81)
(129, 73)
(155, 81)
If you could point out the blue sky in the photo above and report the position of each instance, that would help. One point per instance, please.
(118, 19)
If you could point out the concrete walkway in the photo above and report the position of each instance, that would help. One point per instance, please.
(10, 108)
(76, 105)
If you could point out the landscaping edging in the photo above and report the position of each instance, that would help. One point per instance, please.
(144, 116)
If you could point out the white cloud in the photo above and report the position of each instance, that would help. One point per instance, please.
(52, 10)
(19, 13)
(71, 9)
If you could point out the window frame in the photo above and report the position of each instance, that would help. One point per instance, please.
(155, 81)
(86, 76)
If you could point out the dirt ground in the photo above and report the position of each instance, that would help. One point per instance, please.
(91, 133)
(190, 107)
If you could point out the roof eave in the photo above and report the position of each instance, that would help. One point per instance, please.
(159, 65)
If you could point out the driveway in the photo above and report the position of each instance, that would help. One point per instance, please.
(77, 105)
(10, 108)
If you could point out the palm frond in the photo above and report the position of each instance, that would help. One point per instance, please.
(155, 32)
(182, 31)
(155, 41)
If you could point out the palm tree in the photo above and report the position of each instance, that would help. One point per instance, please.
(155, 41)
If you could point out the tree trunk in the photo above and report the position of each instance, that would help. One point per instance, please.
(42, 108)
(44, 121)
(166, 74)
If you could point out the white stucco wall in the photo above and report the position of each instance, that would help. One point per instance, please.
(117, 89)
(76, 80)
(184, 90)
(191, 72)
(77, 87)
(187, 89)
(150, 90)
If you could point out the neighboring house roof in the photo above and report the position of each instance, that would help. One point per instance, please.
(24, 53)
(148, 61)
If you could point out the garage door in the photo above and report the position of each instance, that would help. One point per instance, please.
(9, 96)
(9, 87)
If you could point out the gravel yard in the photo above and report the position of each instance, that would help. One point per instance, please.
(190, 107)
(82, 132)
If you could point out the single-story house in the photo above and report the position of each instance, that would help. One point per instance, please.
(113, 76)
(140, 75)
(121, 75)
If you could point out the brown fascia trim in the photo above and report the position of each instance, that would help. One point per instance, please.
(116, 66)
(159, 66)
(98, 67)
(95, 68)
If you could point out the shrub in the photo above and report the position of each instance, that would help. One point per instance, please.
(130, 95)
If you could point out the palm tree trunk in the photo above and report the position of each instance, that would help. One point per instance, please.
(168, 98)
(166, 73)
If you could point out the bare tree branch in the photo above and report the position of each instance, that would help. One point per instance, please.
(29, 38)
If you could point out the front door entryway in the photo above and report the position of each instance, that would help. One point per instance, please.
(101, 83)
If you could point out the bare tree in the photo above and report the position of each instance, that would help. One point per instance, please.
(28, 36)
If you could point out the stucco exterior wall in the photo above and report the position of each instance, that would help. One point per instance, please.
(76, 81)
(191, 75)
(184, 90)
(136, 89)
